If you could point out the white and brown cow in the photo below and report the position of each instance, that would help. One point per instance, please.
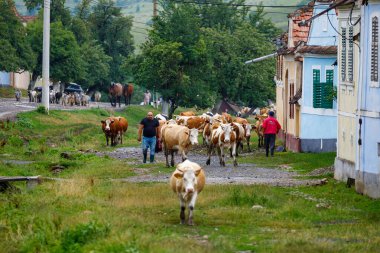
(187, 181)
(111, 130)
(181, 138)
(247, 128)
(223, 137)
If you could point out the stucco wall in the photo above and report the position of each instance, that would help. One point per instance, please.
(322, 32)
(347, 140)
(21, 81)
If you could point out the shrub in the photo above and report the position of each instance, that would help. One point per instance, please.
(15, 141)
(74, 239)
(41, 109)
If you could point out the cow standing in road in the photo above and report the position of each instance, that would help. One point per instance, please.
(187, 181)
(181, 138)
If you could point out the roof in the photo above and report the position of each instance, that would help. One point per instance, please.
(301, 33)
(23, 19)
(27, 19)
(296, 97)
(317, 50)
(223, 104)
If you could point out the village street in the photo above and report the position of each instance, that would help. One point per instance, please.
(9, 107)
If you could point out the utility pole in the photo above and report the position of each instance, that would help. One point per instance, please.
(154, 8)
(46, 56)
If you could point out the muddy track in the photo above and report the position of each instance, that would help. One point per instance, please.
(242, 174)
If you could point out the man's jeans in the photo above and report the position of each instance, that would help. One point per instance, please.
(269, 141)
(149, 142)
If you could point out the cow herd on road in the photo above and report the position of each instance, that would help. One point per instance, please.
(219, 132)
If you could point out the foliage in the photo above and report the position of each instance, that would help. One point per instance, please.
(213, 42)
(15, 52)
(96, 64)
(41, 109)
(66, 63)
(74, 239)
(265, 26)
(112, 30)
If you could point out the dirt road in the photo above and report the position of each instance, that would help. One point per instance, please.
(9, 107)
(243, 174)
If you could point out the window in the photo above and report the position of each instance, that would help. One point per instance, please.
(375, 50)
(291, 111)
(343, 56)
(323, 92)
(350, 66)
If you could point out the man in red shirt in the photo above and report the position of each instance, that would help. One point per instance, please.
(271, 128)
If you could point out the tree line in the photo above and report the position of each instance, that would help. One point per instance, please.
(193, 56)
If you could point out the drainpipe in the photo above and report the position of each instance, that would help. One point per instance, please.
(359, 105)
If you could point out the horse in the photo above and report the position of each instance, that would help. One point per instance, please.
(115, 92)
(127, 92)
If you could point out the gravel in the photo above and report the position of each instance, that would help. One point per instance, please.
(246, 174)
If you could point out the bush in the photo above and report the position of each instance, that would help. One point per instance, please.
(41, 109)
(74, 239)
(24, 123)
(15, 141)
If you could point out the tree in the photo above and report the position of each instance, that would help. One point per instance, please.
(263, 25)
(160, 67)
(58, 11)
(112, 30)
(180, 25)
(96, 65)
(66, 63)
(15, 51)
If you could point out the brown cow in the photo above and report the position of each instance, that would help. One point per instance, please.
(247, 128)
(188, 113)
(127, 92)
(260, 130)
(122, 127)
(175, 137)
(110, 129)
(187, 181)
(240, 135)
(115, 93)
(227, 117)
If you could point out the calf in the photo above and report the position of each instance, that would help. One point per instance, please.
(187, 181)
(181, 138)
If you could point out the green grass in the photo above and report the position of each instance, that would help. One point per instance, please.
(9, 92)
(90, 212)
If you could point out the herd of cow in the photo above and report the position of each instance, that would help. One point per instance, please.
(218, 132)
(57, 97)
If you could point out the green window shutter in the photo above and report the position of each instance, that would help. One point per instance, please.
(329, 76)
(327, 90)
(317, 89)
